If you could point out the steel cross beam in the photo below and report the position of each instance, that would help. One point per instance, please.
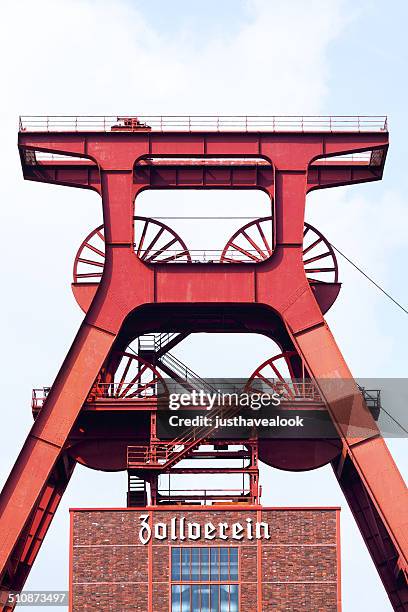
(278, 284)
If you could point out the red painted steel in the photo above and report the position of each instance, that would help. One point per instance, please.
(133, 297)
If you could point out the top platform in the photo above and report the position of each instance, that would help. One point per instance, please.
(204, 123)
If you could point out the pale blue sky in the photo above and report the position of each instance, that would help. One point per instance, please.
(203, 18)
(226, 57)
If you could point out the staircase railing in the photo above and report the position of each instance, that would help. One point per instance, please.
(156, 343)
(185, 373)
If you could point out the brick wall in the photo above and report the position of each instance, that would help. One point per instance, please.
(298, 565)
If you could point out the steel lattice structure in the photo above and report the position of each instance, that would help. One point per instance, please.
(135, 276)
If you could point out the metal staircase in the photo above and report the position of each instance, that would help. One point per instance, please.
(155, 349)
(161, 456)
(137, 491)
(207, 462)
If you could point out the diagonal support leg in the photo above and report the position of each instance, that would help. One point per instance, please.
(25, 552)
(381, 548)
(366, 471)
(31, 493)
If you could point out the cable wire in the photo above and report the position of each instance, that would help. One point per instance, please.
(394, 419)
(199, 218)
(370, 279)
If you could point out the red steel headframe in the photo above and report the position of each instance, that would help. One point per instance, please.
(119, 164)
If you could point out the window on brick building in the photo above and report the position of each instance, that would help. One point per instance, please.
(204, 579)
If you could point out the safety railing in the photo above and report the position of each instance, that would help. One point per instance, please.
(123, 391)
(205, 495)
(156, 454)
(289, 391)
(215, 256)
(204, 123)
(38, 397)
(372, 398)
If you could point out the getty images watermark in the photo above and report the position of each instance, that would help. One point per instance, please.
(221, 400)
(204, 399)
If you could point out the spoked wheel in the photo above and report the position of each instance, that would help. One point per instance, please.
(253, 243)
(284, 374)
(155, 242)
(319, 258)
(90, 258)
(133, 378)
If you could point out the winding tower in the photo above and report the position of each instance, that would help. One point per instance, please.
(143, 291)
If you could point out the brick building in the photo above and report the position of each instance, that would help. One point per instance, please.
(205, 559)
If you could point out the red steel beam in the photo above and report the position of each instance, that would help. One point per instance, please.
(219, 176)
(370, 467)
